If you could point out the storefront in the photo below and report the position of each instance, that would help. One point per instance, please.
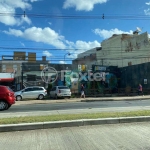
(7, 79)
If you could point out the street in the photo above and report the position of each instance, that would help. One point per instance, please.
(131, 136)
(74, 107)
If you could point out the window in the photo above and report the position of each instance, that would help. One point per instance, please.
(53, 89)
(15, 67)
(40, 89)
(63, 87)
(28, 89)
(3, 68)
(37, 89)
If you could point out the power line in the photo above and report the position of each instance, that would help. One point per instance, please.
(91, 16)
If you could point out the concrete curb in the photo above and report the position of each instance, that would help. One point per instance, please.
(71, 123)
(116, 99)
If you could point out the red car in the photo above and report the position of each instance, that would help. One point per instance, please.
(7, 97)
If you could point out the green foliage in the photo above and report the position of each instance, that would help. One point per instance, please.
(30, 119)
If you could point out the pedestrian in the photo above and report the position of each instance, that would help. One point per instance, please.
(140, 90)
(82, 91)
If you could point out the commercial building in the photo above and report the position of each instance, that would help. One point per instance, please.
(85, 60)
(124, 50)
(13, 65)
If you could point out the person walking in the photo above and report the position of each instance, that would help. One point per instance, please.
(140, 90)
(82, 91)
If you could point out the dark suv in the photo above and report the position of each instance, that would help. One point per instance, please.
(7, 97)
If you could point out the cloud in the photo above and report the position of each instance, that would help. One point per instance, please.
(22, 44)
(25, 19)
(147, 11)
(45, 35)
(81, 46)
(8, 7)
(82, 5)
(49, 36)
(34, 0)
(86, 45)
(47, 53)
(148, 3)
(62, 62)
(108, 33)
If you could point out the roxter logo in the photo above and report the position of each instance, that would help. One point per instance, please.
(49, 75)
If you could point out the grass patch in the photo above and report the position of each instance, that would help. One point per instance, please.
(31, 119)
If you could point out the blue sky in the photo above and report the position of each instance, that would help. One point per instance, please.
(45, 29)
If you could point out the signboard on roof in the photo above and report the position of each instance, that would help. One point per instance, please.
(82, 67)
(99, 68)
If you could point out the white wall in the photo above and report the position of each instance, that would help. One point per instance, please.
(122, 49)
(6, 75)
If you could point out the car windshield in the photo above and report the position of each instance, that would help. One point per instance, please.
(63, 87)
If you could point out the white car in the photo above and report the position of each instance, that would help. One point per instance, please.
(35, 92)
(60, 91)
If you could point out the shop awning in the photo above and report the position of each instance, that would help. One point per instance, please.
(6, 79)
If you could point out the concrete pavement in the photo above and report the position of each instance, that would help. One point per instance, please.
(125, 136)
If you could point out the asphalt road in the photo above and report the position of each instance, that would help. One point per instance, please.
(78, 105)
(75, 107)
(128, 136)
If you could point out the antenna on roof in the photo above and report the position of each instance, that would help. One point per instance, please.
(137, 30)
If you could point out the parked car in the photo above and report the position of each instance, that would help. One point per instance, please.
(7, 97)
(35, 92)
(60, 91)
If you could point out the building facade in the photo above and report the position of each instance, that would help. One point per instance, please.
(84, 61)
(124, 50)
(14, 65)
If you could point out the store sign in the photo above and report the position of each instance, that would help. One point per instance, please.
(100, 68)
(82, 67)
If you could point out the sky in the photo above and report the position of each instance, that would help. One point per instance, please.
(61, 29)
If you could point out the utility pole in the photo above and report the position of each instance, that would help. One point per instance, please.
(102, 62)
(65, 67)
(21, 77)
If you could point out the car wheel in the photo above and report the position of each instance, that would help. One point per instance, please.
(3, 105)
(41, 97)
(8, 107)
(18, 98)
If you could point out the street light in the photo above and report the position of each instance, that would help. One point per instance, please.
(21, 77)
(64, 66)
(65, 56)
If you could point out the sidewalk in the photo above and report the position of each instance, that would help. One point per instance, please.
(88, 99)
